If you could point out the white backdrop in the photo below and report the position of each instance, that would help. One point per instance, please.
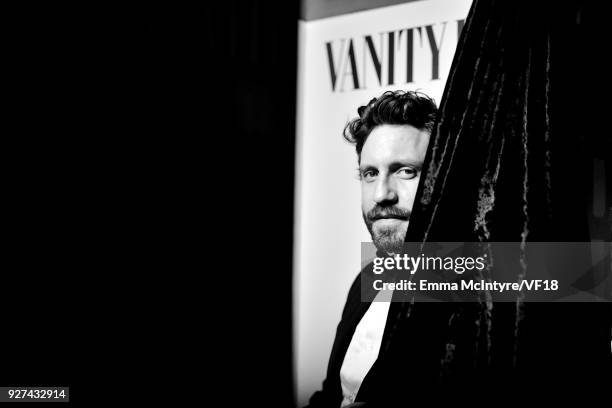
(328, 223)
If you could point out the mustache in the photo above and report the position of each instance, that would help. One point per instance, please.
(378, 213)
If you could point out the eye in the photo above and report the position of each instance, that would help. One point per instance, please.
(407, 173)
(368, 175)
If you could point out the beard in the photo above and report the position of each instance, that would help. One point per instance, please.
(387, 238)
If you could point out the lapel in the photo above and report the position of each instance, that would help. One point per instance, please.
(357, 305)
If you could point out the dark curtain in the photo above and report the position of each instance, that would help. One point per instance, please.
(511, 158)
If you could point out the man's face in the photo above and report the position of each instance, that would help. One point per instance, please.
(390, 168)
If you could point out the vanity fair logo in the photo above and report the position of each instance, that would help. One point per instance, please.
(388, 58)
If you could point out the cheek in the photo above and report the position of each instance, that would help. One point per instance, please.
(407, 192)
(367, 201)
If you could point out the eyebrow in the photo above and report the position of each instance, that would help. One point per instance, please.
(366, 167)
(394, 165)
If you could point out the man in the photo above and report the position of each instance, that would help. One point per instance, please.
(390, 136)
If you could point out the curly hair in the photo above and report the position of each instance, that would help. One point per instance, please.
(391, 108)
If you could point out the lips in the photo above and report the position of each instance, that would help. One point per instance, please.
(387, 213)
(389, 217)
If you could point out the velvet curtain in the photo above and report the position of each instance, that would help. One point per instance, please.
(510, 159)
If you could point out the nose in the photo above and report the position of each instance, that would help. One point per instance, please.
(386, 192)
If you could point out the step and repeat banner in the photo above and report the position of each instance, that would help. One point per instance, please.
(346, 58)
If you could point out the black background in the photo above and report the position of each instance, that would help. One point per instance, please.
(146, 144)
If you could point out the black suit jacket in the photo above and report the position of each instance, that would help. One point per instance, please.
(358, 301)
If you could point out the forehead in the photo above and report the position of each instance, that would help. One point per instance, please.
(395, 143)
